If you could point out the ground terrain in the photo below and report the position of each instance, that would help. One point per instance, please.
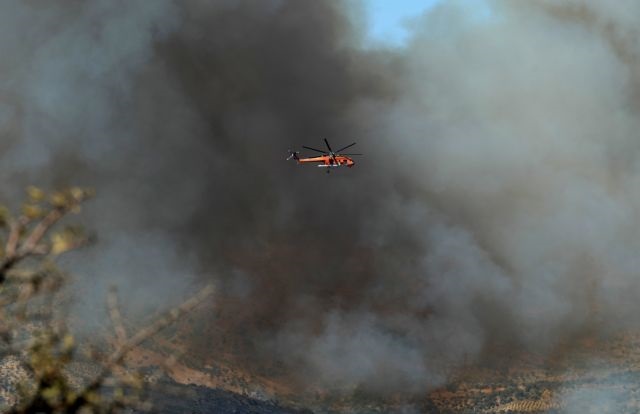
(221, 373)
(587, 374)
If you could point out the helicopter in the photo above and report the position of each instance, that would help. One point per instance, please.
(330, 159)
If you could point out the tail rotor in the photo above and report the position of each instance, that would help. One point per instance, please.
(293, 155)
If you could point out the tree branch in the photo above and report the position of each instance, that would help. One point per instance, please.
(39, 231)
(143, 334)
(116, 317)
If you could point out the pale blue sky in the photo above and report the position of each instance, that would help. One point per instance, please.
(386, 18)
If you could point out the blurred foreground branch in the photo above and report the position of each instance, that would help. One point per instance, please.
(39, 214)
(35, 341)
(115, 359)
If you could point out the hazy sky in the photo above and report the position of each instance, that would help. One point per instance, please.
(386, 17)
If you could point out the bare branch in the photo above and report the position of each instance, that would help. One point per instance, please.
(16, 251)
(15, 228)
(116, 317)
(11, 257)
(143, 334)
(39, 231)
(147, 332)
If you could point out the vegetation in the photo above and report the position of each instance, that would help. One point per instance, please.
(40, 357)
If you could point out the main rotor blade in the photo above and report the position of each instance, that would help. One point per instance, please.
(328, 146)
(350, 145)
(313, 149)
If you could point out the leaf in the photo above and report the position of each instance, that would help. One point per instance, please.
(5, 216)
(71, 397)
(35, 194)
(32, 211)
(93, 397)
(51, 394)
(58, 199)
(60, 243)
(118, 394)
(77, 193)
(68, 342)
(68, 239)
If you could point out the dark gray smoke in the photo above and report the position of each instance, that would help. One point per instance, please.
(496, 201)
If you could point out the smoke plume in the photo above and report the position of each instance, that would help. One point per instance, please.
(496, 201)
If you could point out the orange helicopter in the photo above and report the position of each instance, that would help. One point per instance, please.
(329, 160)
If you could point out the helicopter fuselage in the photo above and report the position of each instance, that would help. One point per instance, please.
(328, 161)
